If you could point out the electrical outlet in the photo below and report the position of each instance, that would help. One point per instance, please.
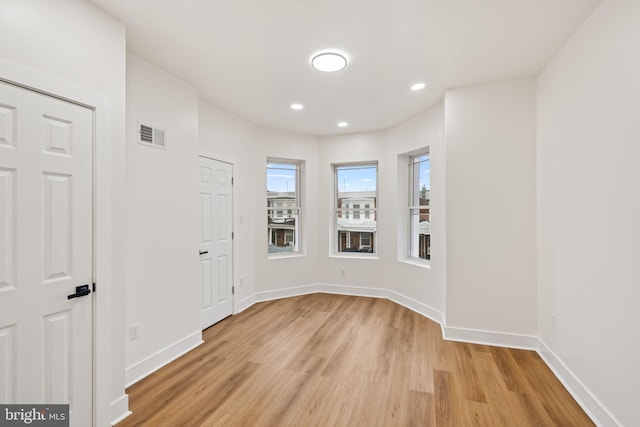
(133, 332)
(241, 282)
(553, 322)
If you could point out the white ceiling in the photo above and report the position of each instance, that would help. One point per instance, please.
(251, 57)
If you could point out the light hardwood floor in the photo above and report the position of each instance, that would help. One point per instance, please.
(334, 360)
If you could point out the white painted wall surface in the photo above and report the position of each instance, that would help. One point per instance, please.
(163, 207)
(490, 133)
(426, 285)
(226, 137)
(364, 271)
(59, 39)
(589, 207)
(284, 272)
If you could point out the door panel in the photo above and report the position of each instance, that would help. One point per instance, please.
(216, 245)
(56, 231)
(7, 364)
(222, 278)
(46, 250)
(205, 273)
(7, 228)
(57, 367)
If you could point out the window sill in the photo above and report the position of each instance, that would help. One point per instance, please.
(418, 263)
(353, 255)
(286, 255)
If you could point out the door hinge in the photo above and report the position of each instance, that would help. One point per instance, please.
(233, 235)
(233, 290)
(231, 180)
(94, 287)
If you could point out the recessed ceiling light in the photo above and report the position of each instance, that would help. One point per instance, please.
(343, 124)
(418, 86)
(328, 61)
(297, 106)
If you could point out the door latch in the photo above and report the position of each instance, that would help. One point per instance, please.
(81, 291)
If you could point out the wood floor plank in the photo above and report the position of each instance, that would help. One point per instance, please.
(421, 377)
(336, 360)
(422, 410)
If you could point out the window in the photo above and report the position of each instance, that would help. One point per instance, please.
(355, 208)
(419, 208)
(283, 206)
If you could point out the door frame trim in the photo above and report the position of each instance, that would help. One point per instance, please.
(103, 262)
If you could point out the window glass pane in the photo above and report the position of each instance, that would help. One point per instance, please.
(356, 179)
(420, 233)
(419, 208)
(421, 179)
(356, 196)
(281, 177)
(282, 236)
(282, 208)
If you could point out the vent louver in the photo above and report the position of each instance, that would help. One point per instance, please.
(152, 137)
(146, 134)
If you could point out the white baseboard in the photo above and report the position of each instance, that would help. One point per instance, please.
(420, 308)
(587, 401)
(285, 292)
(245, 303)
(145, 367)
(362, 291)
(119, 409)
(498, 339)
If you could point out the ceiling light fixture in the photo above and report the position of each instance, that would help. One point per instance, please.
(418, 86)
(343, 124)
(297, 106)
(329, 62)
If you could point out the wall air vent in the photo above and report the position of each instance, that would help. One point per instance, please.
(152, 137)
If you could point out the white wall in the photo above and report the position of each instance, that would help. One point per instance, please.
(426, 285)
(229, 138)
(59, 40)
(589, 208)
(490, 133)
(226, 137)
(163, 280)
(364, 271)
(289, 271)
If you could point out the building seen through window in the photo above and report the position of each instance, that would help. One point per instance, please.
(283, 207)
(356, 207)
(419, 207)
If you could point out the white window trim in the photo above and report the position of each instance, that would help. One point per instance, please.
(410, 206)
(297, 206)
(334, 241)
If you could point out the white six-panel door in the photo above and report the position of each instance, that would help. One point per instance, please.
(46, 214)
(216, 247)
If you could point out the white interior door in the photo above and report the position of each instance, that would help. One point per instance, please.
(216, 247)
(46, 246)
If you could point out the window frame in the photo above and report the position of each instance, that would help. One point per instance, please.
(286, 210)
(348, 212)
(414, 205)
